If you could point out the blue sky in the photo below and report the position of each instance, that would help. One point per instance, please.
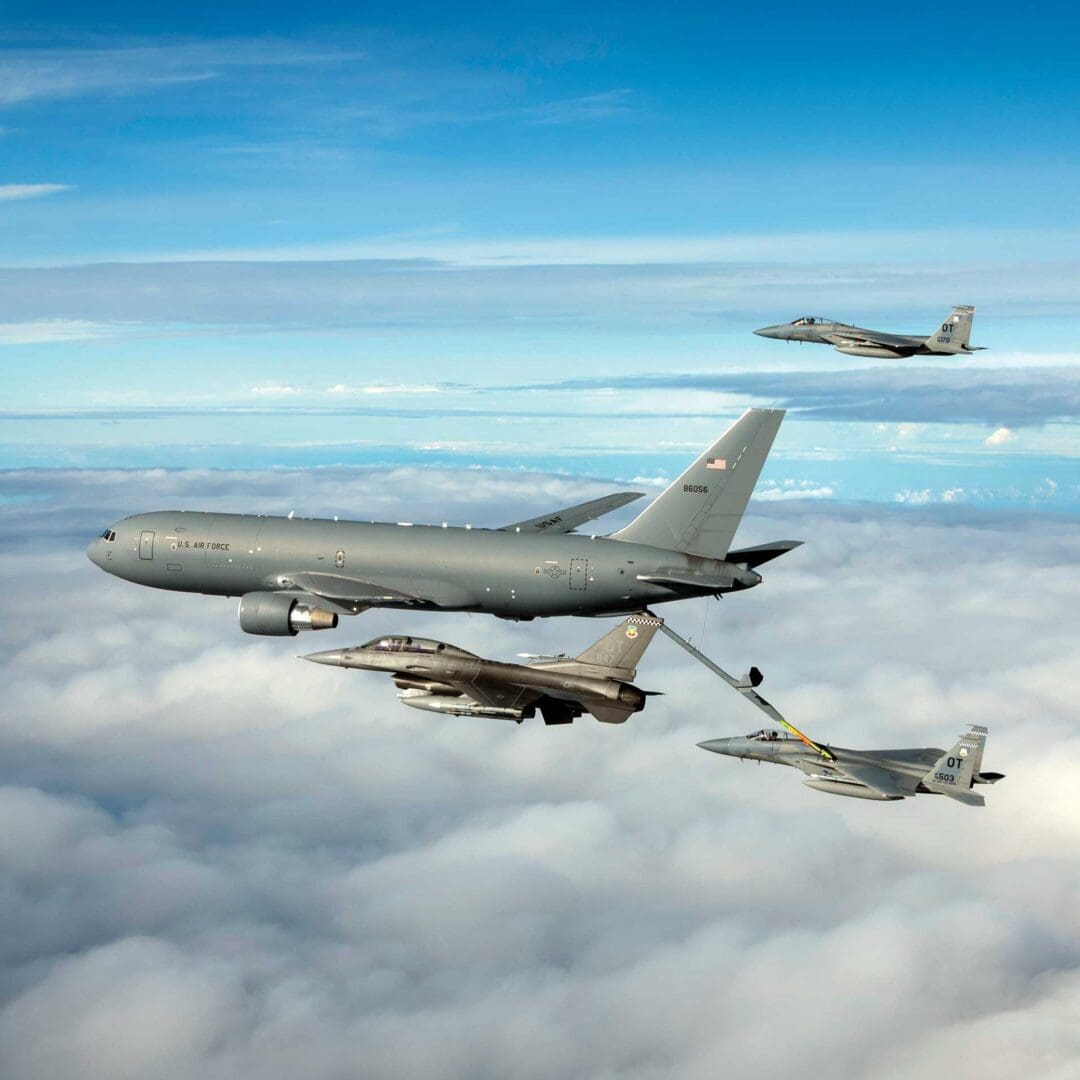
(226, 209)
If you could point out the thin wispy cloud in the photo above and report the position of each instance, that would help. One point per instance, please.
(413, 292)
(15, 192)
(46, 331)
(900, 394)
(138, 65)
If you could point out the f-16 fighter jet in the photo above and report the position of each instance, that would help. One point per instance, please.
(884, 775)
(442, 678)
(950, 338)
(297, 574)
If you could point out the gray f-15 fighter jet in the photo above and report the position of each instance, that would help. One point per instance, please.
(442, 678)
(883, 775)
(297, 574)
(950, 338)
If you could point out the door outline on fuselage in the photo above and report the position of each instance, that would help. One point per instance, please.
(579, 574)
(228, 549)
(146, 544)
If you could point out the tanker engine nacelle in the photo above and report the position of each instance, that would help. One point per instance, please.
(279, 614)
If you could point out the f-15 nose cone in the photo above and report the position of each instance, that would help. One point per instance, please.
(333, 657)
(767, 331)
(717, 746)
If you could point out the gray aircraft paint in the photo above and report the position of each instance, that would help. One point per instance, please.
(297, 573)
(949, 338)
(882, 775)
(443, 678)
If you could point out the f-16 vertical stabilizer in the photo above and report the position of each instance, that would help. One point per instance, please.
(620, 650)
(700, 512)
(953, 335)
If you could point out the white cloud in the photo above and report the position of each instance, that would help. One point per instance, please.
(1001, 436)
(220, 862)
(134, 66)
(12, 192)
(777, 494)
(384, 388)
(275, 390)
(46, 331)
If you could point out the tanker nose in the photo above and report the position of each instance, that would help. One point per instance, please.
(100, 550)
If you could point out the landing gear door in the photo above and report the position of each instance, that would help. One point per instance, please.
(146, 545)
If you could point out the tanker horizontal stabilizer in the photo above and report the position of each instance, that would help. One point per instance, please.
(762, 553)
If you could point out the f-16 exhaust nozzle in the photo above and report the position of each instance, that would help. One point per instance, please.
(632, 696)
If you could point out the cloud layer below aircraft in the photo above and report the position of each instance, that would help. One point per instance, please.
(219, 862)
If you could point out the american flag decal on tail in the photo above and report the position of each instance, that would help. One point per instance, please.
(716, 463)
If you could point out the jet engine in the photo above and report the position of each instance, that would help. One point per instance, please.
(279, 613)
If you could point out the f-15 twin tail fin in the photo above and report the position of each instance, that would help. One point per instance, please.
(954, 333)
(957, 771)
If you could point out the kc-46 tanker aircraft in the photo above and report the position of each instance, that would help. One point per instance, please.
(300, 574)
(950, 338)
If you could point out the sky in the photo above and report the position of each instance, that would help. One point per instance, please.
(471, 263)
(207, 214)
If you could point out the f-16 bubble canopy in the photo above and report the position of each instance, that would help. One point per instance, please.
(402, 644)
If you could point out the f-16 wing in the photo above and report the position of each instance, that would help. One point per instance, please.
(570, 517)
(502, 696)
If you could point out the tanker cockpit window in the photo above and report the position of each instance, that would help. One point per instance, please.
(108, 536)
